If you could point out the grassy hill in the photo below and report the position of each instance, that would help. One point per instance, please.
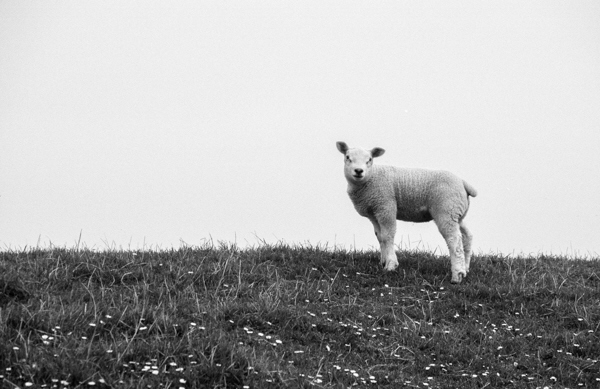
(294, 316)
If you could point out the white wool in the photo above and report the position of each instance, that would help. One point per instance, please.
(385, 194)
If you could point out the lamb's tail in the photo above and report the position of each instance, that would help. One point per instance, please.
(470, 190)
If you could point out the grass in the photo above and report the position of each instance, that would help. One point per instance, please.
(279, 316)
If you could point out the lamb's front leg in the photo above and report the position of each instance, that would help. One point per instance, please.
(377, 230)
(385, 235)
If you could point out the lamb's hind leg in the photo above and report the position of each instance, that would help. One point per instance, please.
(467, 239)
(450, 230)
(385, 230)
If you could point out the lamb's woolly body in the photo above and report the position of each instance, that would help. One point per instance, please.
(416, 194)
(385, 194)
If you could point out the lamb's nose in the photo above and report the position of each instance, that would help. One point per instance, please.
(358, 171)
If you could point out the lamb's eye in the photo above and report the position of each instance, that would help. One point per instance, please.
(347, 157)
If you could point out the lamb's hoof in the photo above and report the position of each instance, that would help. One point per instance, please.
(458, 278)
(391, 266)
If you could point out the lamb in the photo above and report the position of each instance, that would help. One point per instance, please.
(386, 193)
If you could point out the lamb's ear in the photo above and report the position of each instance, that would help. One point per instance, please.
(342, 147)
(377, 152)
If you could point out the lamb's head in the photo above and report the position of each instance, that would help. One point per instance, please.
(358, 162)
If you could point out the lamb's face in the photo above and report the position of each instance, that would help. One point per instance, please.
(358, 162)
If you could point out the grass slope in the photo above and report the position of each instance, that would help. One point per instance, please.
(297, 317)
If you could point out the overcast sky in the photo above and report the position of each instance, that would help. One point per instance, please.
(145, 124)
